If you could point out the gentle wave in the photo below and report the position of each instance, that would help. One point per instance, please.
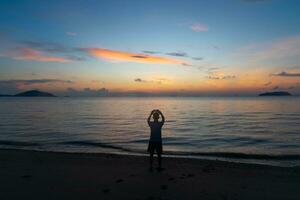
(98, 144)
(212, 154)
(107, 146)
(244, 156)
(173, 153)
(18, 143)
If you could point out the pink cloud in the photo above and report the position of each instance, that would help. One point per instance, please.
(34, 55)
(197, 27)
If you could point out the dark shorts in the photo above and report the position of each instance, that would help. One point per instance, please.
(155, 146)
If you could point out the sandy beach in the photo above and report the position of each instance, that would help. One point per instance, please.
(45, 175)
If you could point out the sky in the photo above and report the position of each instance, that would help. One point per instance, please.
(116, 48)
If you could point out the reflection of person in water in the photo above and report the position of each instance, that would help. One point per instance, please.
(155, 142)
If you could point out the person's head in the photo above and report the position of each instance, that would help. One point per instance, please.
(155, 116)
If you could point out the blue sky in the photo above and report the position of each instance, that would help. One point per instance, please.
(194, 47)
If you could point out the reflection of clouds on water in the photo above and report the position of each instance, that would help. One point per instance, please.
(254, 125)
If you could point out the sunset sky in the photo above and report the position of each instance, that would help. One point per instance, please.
(96, 48)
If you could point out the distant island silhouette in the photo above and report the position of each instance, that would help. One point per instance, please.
(280, 93)
(30, 93)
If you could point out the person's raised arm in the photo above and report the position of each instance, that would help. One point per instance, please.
(162, 116)
(149, 118)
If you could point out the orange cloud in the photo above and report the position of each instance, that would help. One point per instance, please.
(35, 55)
(114, 55)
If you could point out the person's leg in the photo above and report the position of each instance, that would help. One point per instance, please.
(151, 159)
(159, 153)
(159, 160)
(151, 152)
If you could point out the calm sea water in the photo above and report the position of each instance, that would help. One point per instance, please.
(244, 129)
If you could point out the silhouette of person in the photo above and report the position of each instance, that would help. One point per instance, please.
(155, 142)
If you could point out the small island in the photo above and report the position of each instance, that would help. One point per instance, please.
(280, 93)
(31, 93)
(5, 95)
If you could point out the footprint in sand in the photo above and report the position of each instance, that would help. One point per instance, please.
(119, 180)
(26, 176)
(182, 176)
(150, 198)
(164, 187)
(208, 168)
(107, 190)
(160, 169)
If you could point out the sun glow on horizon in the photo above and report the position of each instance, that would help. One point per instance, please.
(159, 48)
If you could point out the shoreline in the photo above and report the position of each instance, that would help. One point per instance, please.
(280, 160)
(34, 174)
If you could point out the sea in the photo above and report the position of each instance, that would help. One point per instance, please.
(261, 130)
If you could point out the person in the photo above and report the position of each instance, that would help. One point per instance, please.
(155, 142)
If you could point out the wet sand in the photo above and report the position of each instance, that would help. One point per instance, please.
(46, 175)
